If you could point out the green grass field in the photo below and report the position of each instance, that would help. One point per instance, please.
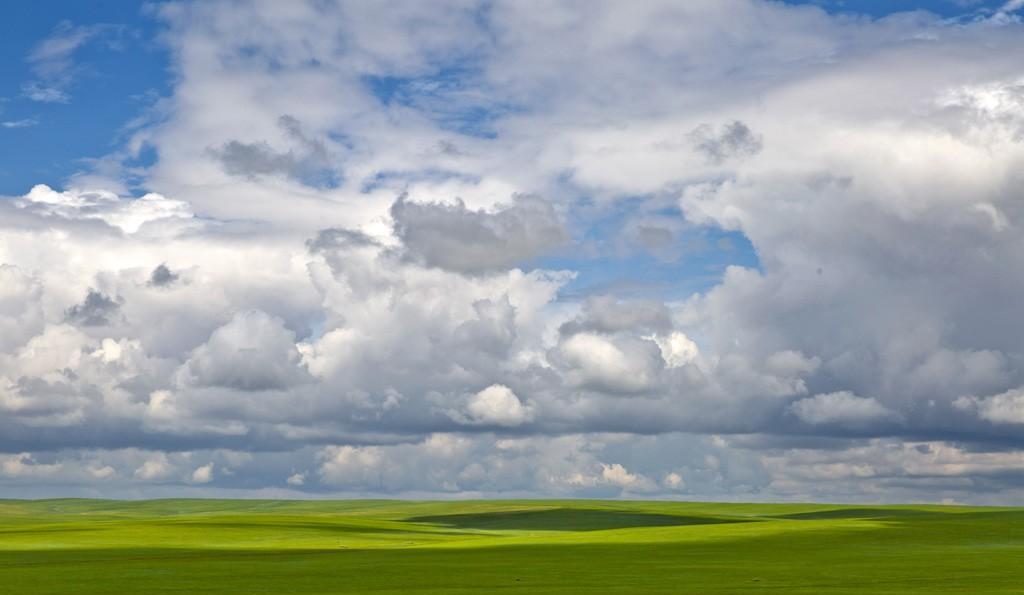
(232, 546)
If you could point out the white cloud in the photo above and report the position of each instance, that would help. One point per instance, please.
(105, 472)
(616, 474)
(23, 123)
(498, 405)
(1012, 6)
(203, 474)
(1004, 408)
(841, 407)
(43, 94)
(626, 366)
(677, 349)
(21, 316)
(127, 214)
(253, 351)
(23, 465)
(157, 467)
(353, 466)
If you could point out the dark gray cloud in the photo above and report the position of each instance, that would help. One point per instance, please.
(730, 141)
(456, 238)
(655, 239)
(334, 238)
(606, 314)
(162, 276)
(96, 310)
(307, 161)
(255, 159)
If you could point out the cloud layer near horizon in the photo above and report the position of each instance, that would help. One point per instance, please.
(337, 281)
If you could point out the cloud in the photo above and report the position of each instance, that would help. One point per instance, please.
(677, 349)
(53, 59)
(155, 468)
(1012, 6)
(623, 365)
(37, 92)
(616, 474)
(1004, 408)
(353, 466)
(252, 352)
(203, 474)
(606, 314)
(130, 215)
(23, 465)
(162, 276)
(24, 123)
(733, 140)
(21, 316)
(497, 405)
(840, 408)
(309, 161)
(567, 464)
(674, 481)
(96, 310)
(456, 238)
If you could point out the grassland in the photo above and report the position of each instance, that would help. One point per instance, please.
(219, 546)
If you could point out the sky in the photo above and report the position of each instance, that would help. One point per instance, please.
(738, 250)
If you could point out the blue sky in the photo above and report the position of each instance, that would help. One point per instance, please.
(879, 8)
(114, 77)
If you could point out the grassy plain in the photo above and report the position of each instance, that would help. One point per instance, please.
(578, 546)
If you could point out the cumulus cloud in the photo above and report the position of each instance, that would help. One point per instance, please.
(252, 352)
(615, 365)
(497, 405)
(203, 474)
(157, 467)
(677, 349)
(1004, 408)
(617, 475)
(841, 407)
(21, 316)
(126, 214)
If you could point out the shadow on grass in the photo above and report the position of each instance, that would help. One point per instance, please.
(209, 525)
(858, 513)
(565, 519)
(47, 529)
